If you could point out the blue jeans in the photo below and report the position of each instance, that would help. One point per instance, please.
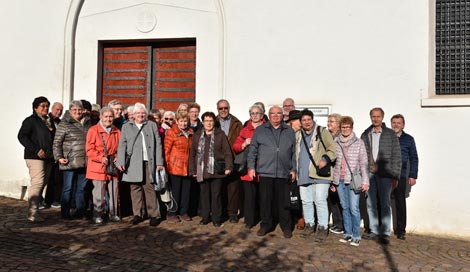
(379, 194)
(351, 213)
(315, 194)
(73, 189)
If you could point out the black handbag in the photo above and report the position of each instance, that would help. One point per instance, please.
(110, 167)
(294, 202)
(219, 167)
(326, 170)
(239, 163)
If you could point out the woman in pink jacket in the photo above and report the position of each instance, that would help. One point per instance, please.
(351, 148)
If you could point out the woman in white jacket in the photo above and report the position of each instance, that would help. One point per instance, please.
(351, 148)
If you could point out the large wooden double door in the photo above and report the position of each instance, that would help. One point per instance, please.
(157, 74)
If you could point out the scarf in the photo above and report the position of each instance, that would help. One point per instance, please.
(200, 156)
(107, 129)
(347, 141)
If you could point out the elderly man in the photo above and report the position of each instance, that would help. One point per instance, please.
(231, 126)
(287, 105)
(384, 153)
(409, 172)
(119, 119)
(272, 157)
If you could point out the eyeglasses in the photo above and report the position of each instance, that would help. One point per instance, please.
(255, 113)
(346, 127)
(169, 119)
(223, 108)
(287, 106)
(275, 113)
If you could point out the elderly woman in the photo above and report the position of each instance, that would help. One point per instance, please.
(210, 161)
(182, 108)
(334, 206)
(36, 135)
(101, 148)
(69, 151)
(351, 148)
(250, 186)
(178, 141)
(168, 120)
(141, 143)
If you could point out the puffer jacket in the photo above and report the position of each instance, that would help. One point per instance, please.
(177, 147)
(69, 142)
(96, 170)
(356, 155)
(246, 133)
(389, 157)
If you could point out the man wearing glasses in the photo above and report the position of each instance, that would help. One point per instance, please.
(272, 157)
(231, 126)
(287, 105)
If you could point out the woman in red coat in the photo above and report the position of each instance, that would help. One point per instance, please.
(101, 135)
(177, 144)
(240, 145)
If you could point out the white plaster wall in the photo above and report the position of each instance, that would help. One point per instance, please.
(116, 20)
(32, 56)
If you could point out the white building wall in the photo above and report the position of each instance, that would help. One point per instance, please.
(352, 55)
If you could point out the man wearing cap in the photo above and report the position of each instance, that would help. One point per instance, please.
(314, 142)
(272, 150)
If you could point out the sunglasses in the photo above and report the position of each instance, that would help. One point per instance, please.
(223, 108)
(169, 119)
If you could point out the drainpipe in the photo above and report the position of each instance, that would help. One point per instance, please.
(222, 41)
(69, 50)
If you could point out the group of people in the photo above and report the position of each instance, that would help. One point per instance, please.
(237, 169)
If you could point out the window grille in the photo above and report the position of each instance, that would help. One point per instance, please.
(452, 47)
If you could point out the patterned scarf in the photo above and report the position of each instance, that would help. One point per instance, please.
(347, 141)
(200, 156)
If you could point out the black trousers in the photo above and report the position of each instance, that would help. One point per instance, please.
(399, 195)
(211, 199)
(181, 190)
(233, 186)
(250, 190)
(273, 201)
(335, 209)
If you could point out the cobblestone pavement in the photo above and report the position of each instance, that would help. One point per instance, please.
(79, 245)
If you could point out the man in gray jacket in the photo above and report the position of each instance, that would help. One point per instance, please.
(383, 149)
(272, 154)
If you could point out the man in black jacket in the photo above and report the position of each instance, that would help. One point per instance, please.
(383, 149)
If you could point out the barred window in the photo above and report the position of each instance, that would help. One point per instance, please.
(452, 47)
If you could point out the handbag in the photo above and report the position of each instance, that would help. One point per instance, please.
(219, 167)
(356, 178)
(239, 163)
(294, 202)
(322, 172)
(110, 167)
(127, 161)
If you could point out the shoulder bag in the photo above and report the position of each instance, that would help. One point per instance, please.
(356, 178)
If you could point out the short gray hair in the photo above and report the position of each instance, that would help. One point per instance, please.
(256, 106)
(75, 103)
(140, 106)
(106, 109)
(114, 103)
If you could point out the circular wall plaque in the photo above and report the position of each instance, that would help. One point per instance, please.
(146, 21)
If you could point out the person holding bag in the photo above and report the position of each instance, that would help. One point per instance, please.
(351, 160)
(101, 148)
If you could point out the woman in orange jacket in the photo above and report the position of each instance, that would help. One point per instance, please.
(177, 145)
(102, 143)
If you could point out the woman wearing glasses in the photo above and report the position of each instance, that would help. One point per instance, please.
(351, 148)
(69, 151)
(250, 186)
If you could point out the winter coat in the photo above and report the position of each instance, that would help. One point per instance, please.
(96, 170)
(34, 135)
(328, 152)
(409, 156)
(177, 147)
(356, 156)
(70, 141)
(234, 129)
(246, 133)
(389, 157)
(154, 151)
(222, 151)
(272, 157)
